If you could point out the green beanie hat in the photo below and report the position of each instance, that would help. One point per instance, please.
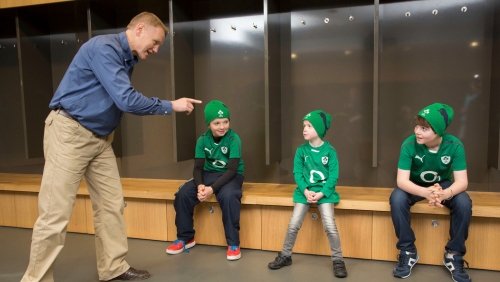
(215, 109)
(320, 121)
(439, 116)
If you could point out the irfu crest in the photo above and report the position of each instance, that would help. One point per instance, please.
(324, 160)
(445, 159)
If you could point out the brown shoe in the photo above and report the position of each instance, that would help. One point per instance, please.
(133, 274)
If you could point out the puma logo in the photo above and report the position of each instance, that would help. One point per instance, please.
(209, 151)
(420, 158)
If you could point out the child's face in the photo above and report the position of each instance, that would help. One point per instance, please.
(425, 135)
(219, 126)
(309, 132)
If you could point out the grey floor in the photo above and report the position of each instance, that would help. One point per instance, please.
(204, 263)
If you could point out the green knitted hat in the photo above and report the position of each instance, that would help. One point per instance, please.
(215, 109)
(439, 116)
(320, 121)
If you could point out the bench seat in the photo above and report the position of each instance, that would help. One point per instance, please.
(362, 217)
(485, 204)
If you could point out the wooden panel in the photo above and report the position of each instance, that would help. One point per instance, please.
(171, 230)
(383, 238)
(251, 227)
(20, 3)
(430, 241)
(146, 219)
(355, 228)
(26, 209)
(78, 220)
(209, 228)
(483, 244)
(208, 225)
(355, 243)
(7, 209)
(274, 225)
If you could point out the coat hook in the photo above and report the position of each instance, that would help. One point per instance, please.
(435, 12)
(212, 29)
(407, 14)
(327, 20)
(351, 18)
(254, 25)
(233, 27)
(303, 22)
(78, 40)
(64, 42)
(464, 9)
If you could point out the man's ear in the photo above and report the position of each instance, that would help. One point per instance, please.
(139, 29)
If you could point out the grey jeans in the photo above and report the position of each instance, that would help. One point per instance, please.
(327, 217)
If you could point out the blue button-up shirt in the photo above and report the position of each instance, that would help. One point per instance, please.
(96, 88)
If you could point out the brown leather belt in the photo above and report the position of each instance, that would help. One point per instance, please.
(64, 113)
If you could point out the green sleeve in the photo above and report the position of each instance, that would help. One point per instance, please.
(199, 152)
(298, 170)
(459, 162)
(405, 159)
(333, 175)
(235, 147)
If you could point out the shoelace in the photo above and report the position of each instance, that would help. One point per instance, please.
(339, 266)
(401, 259)
(459, 265)
(183, 245)
(280, 258)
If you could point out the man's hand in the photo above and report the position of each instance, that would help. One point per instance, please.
(204, 192)
(184, 105)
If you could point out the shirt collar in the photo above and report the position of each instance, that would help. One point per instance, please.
(126, 49)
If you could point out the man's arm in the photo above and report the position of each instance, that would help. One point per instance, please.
(111, 73)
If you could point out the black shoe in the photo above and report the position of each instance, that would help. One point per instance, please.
(280, 261)
(133, 274)
(339, 269)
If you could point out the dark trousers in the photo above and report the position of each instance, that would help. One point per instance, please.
(460, 215)
(229, 198)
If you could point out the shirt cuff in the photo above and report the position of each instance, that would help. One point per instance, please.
(166, 107)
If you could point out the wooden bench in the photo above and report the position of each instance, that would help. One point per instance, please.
(362, 217)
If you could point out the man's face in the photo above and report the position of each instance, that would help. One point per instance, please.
(148, 40)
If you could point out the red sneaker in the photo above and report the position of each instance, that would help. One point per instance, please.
(233, 253)
(180, 246)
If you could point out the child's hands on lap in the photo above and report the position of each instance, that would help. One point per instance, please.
(436, 195)
(309, 195)
(204, 192)
(313, 197)
(317, 196)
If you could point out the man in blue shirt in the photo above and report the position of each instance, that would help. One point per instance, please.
(86, 109)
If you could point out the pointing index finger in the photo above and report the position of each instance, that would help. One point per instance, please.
(195, 101)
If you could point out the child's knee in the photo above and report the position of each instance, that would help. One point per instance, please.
(463, 202)
(398, 198)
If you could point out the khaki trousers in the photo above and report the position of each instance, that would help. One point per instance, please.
(71, 153)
